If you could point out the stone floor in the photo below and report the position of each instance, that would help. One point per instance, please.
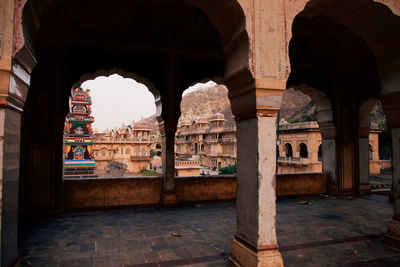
(312, 231)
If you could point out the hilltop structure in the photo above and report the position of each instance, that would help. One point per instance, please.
(79, 142)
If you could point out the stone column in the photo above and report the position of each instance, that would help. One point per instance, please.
(391, 107)
(393, 233)
(255, 242)
(167, 130)
(363, 160)
(328, 133)
(14, 83)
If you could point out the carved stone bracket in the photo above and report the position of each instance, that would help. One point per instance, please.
(255, 97)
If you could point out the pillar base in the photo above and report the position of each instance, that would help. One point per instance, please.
(332, 189)
(365, 189)
(168, 198)
(244, 256)
(392, 237)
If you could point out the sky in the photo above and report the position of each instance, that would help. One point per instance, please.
(117, 100)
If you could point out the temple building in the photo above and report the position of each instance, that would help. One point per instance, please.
(79, 142)
(126, 148)
(209, 142)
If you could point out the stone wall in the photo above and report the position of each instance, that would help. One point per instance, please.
(375, 166)
(112, 192)
(301, 184)
(191, 189)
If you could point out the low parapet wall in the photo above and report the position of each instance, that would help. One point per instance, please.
(192, 189)
(115, 192)
(111, 192)
(301, 184)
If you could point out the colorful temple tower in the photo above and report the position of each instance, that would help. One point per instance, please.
(79, 142)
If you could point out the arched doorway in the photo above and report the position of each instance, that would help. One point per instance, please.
(324, 69)
(166, 51)
(303, 151)
(288, 151)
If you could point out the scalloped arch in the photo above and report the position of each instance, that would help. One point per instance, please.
(376, 23)
(321, 100)
(364, 115)
(125, 74)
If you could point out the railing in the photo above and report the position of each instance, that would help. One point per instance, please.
(124, 140)
(183, 141)
(139, 158)
(187, 163)
(229, 140)
(212, 140)
(296, 161)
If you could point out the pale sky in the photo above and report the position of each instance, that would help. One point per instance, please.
(117, 100)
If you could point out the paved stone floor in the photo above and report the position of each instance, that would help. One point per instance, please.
(321, 232)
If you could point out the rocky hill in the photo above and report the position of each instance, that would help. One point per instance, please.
(204, 103)
(296, 107)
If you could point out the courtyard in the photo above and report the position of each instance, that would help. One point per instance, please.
(312, 231)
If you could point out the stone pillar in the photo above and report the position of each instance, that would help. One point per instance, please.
(14, 81)
(391, 107)
(167, 130)
(393, 233)
(328, 133)
(13, 94)
(255, 242)
(363, 160)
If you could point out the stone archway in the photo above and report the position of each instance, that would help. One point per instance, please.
(134, 76)
(376, 59)
(62, 62)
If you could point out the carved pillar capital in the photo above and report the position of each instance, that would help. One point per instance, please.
(260, 97)
(15, 79)
(328, 130)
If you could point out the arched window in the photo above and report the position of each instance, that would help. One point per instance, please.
(103, 153)
(320, 153)
(158, 146)
(202, 147)
(303, 151)
(288, 150)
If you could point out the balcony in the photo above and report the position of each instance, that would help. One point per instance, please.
(294, 161)
(212, 140)
(183, 141)
(140, 158)
(228, 140)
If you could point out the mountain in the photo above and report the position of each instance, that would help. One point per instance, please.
(295, 107)
(204, 103)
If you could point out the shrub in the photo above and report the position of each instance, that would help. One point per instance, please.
(229, 169)
(149, 173)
